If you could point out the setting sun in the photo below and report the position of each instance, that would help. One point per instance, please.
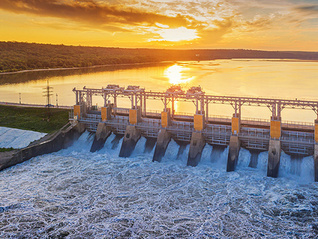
(178, 34)
(176, 76)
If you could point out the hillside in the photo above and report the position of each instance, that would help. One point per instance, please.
(17, 56)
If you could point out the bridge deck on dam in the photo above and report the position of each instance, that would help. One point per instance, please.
(199, 128)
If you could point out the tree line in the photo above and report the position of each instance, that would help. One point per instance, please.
(17, 56)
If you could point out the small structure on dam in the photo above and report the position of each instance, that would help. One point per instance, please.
(199, 129)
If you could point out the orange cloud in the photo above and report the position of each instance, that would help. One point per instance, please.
(92, 12)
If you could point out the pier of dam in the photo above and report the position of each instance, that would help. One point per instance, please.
(295, 139)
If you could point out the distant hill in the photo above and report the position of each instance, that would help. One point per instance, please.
(16, 56)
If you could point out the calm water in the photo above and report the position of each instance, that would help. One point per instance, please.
(255, 78)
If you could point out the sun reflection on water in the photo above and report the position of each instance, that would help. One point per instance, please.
(176, 74)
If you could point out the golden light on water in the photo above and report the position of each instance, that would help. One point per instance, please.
(176, 75)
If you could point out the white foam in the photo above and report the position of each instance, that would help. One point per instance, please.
(17, 138)
(101, 195)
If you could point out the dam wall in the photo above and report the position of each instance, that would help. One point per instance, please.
(48, 144)
(298, 139)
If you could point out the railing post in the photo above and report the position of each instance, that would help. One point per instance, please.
(316, 150)
(207, 111)
(145, 109)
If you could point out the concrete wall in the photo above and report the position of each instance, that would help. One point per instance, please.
(162, 143)
(196, 147)
(132, 135)
(102, 133)
(48, 144)
(273, 158)
(234, 149)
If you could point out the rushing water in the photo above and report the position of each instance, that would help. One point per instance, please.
(255, 78)
(77, 194)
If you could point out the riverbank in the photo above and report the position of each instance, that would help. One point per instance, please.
(35, 119)
(21, 56)
(87, 67)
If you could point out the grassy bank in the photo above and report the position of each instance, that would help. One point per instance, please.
(6, 149)
(33, 118)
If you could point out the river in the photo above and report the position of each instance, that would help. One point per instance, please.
(240, 77)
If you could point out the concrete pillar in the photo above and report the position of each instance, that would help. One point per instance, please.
(234, 147)
(273, 158)
(102, 133)
(234, 150)
(196, 147)
(254, 158)
(131, 137)
(274, 149)
(316, 151)
(134, 116)
(163, 141)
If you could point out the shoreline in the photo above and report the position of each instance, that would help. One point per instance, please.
(81, 67)
(143, 63)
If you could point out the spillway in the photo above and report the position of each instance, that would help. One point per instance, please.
(298, 139)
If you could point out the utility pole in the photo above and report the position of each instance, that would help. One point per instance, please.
(48, 92)
(20, 98)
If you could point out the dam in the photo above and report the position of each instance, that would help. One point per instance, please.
(294, 138)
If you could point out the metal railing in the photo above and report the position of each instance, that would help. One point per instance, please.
(254, 135)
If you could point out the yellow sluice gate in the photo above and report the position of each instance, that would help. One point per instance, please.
(316, 130)
(106, 113)
(165, 119)
(275, 129)
(199, 122)
(134, 116)
(236, 125)
(77, 111)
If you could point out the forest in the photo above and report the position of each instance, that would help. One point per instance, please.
(18, 56)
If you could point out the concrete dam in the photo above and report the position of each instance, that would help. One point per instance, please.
(294, 138)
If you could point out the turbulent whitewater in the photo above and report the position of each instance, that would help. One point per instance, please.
(75, 193)
(17, 138)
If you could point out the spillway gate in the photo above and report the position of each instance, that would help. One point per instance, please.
(293, 138)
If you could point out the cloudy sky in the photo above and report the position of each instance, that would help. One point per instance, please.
(248, 24)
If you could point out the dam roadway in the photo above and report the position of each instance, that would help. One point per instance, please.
(294, 138)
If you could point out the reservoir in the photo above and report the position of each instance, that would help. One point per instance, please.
(290, 79)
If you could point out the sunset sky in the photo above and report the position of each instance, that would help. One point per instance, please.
(247, 24)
